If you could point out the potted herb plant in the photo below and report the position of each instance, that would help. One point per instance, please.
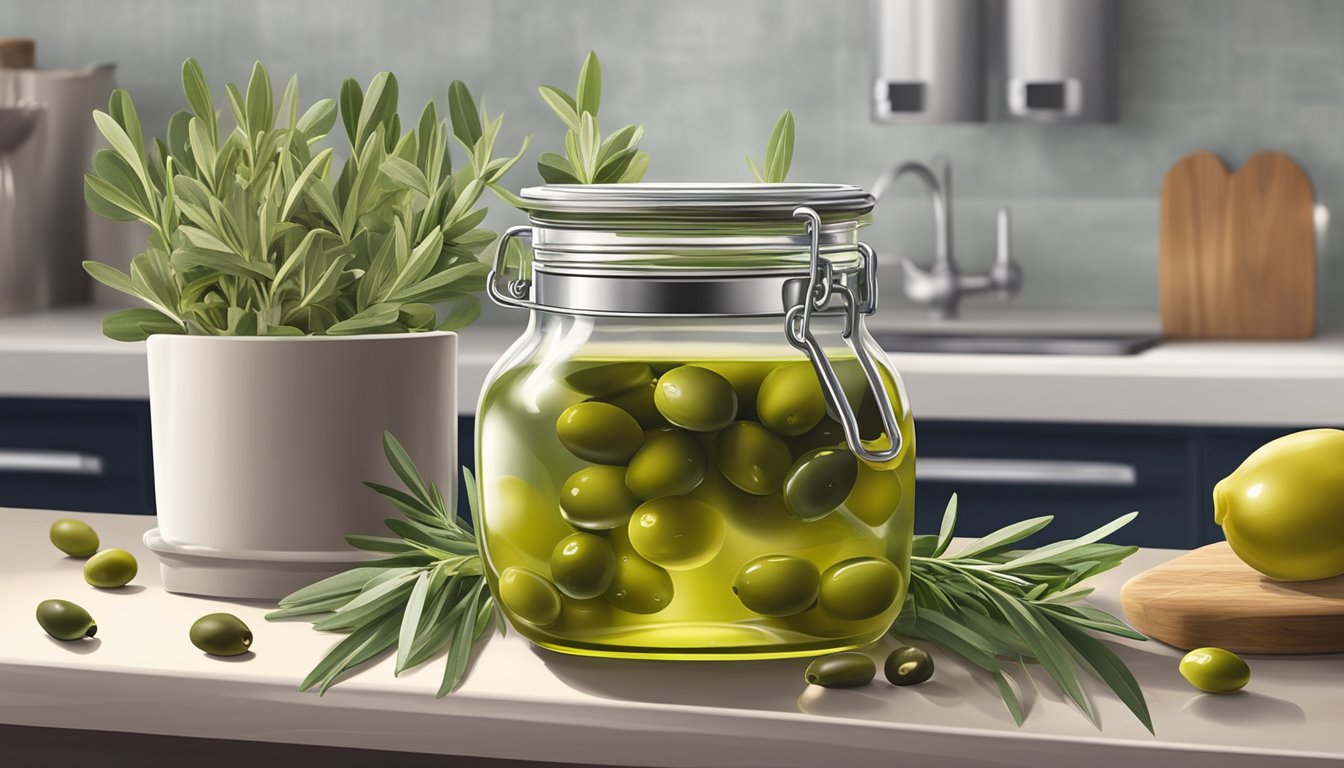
(297, 307)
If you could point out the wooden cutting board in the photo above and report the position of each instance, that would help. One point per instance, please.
(1210, 597)
(1237, 251)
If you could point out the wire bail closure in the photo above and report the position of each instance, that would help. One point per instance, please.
(822, 288)
(516, 291)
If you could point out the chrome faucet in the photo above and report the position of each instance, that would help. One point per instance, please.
(942, 284)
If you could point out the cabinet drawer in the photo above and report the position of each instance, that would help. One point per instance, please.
(76, 455)
(1083, 475)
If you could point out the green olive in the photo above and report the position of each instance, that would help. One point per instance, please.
(908, 665)
(75, 538)
(111, 568)
(695, 398)
(638, 586)
(638, 402)
(608, 379)
(876, 495)
(752, 457)
(820, 482)
(583, 565)
(522, 525)
(670, 463)
(790, 402)
(777, 585)
(599, 432)
(1214, 670)
(596, 499)
(841, 670)
(676, 532)
(746, 377)
(859, 588)
(529, 596)
(64, 620)
(221, 634)
(826, 434)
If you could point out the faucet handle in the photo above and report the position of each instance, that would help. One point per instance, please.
(1005, 275)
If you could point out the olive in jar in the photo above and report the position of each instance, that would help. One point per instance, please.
(529, 596)
(597, 499)
(638, 586)
(859, 588)
(696, 398)
(599, 432)
(608, 379)
(752, 457)
(790, 401)
(676, 532)
(820, 482)
(876, 495)
(583, 565)
(670, 463)
(777, 585)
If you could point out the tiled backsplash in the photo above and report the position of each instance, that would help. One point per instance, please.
(708, 78)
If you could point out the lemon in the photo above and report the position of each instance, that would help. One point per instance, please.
(1282, 510)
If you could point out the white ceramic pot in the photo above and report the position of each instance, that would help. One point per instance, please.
(262, 445)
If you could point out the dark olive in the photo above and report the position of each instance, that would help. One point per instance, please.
(75, 538)
(64, 620)
(221, 634)
(752, 457)
(908, 665)
(696, 398)
(599, 432)
(777, 585)
(670, 463)
(608, 379)
(860, 588)
(827, 434)
(820, 482)
(790, 401)
(841, 670)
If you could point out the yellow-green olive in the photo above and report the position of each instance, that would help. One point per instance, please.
(75, 538)
(638, 402)
(820, 482)
(841, 670)
(583, 565)
(608, 379)
(221, 634)
(670, 463)
(696, 398)
(859, 588)
(599, 432)
(596, 499)
(908, 665)
(64, 620)
(876, 495)
(676, 532)
(790, 401)
(1214, 670)
(111, 568)
(522, 525)
(746, 377)
(529, 596)
(752, 457)
(638, 586)
(777, 585)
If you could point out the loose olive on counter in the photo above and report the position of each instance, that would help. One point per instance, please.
(608, 379)
(583, 565)
(599, 432)
(859, 588)
(221, 634)
(752, 457)
(64, 620)
(529, 596)
(696, 398)
(1214, 670)
(908, 665)
(790, 401)
(75, 538)
(670, 463)
(777, 585)
(820, 482)
(876, 495)
(597, 499)
(110, 569)
(638, 586)
(841, 670)
(676, 532)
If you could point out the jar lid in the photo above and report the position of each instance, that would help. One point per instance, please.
(773, 201)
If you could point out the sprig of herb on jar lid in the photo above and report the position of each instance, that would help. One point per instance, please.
(589, 158)
(778, 153)
(427, 594)
(996, 606)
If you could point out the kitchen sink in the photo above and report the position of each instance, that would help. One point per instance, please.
(1006, 344)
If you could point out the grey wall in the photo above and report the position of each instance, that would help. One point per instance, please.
(708, 78)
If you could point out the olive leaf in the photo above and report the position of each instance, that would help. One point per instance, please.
(254, 230)
(998, 607)
(430, 595)
(589, 158)
(778, 153)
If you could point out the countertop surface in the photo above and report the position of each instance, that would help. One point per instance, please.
(1291, 383)
(142, 675)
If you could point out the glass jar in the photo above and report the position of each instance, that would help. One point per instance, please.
(695, 450)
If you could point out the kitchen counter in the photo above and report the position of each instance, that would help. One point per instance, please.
(140, 675)
(63, 354)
